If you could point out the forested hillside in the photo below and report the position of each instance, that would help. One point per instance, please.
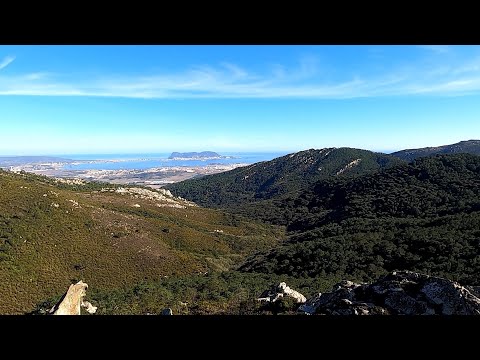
(424, 216)
(244, 190)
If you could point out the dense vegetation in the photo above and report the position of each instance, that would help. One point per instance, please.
(469, 147)
(333, 217)
(424, 216)
(228, 292)
(54, 234)
(260, 183)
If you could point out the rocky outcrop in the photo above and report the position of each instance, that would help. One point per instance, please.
(162, 197)
(348, 166)
(278, 292)
(71, 302)
(399, 293)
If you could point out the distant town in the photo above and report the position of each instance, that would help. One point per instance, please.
(155, 177)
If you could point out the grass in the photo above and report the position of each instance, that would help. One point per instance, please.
(107, 242)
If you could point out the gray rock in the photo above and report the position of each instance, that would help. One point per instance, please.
(451, 297)
(167, 311)
(402, 304)
(398, 293)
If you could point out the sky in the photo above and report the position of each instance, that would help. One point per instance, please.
(263, 98)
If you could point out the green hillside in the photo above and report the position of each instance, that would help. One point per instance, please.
(141, 254)
(246, 189)
(52, 235)
(423, 216)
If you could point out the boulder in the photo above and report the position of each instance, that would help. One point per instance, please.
(279, 291)
(398, 293)
(167, 311)
(71, 302)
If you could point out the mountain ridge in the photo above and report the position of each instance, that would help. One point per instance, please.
(336, 213)
(465, 146)
(274, 179)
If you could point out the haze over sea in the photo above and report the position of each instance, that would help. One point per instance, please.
(147, 161)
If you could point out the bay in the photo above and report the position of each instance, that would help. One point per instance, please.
(148, 161)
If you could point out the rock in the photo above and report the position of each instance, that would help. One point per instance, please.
(89, 307)
(398, 293)
(404, 304)
(279, 291)
(70, 303)
(167, 311)
(450, 297)
(310, 305)
(162, 197)
(75, 204)
(165, 192)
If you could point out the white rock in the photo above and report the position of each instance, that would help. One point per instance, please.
(89, 307)
(71, 301)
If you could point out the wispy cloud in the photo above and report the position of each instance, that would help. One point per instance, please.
(228, 80)
(439, 49)
(6, 61)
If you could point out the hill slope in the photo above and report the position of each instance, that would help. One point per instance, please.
(53, 234)
(469, 147)
(237, 189)
(424, 216)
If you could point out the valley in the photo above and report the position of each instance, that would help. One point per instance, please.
(224, 179)
(213, 244)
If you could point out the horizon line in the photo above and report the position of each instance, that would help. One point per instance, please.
(60, 154)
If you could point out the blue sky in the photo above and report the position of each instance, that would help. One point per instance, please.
(138, 99)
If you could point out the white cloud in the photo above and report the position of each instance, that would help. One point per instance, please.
(6, 61)
(439, 49)
(236, 71)
(35, 76)
(232, 81)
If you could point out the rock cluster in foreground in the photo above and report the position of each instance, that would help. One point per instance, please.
(399, 293)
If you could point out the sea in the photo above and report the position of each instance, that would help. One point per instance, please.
(148, 161)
